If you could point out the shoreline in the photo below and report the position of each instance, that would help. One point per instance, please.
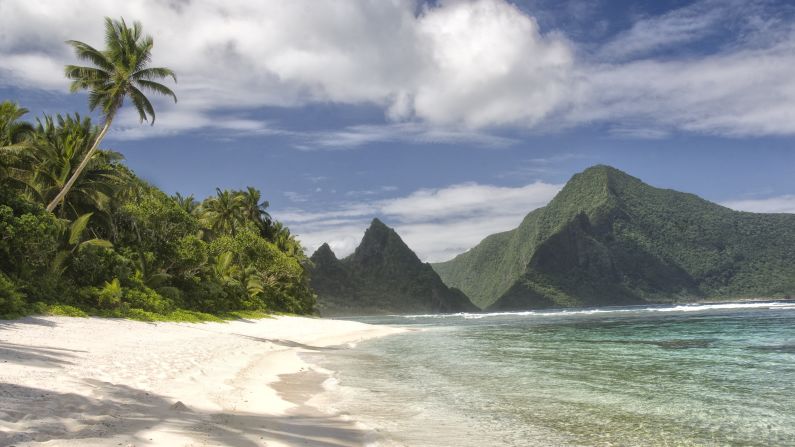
(93, 381)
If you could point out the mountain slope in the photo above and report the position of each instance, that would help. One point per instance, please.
(609, 238)
(382, 276)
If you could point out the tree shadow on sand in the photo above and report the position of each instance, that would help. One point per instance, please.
(289, 343)
(34, 414)
(6, 324)
(31, 355)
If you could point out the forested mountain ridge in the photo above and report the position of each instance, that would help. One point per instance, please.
(382, 276)
(608, 238)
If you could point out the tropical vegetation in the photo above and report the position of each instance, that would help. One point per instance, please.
(80, 233)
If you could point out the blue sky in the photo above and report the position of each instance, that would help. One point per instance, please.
(450, 120)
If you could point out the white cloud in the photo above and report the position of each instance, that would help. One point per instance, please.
(740, 93)
(535, 167)
(472, 63)
(779, 204)
(31, 69)
(296, 196)
(446, 73)
(489, 65)
(173, 121)
(464, 214)
(685, 24)
(371, 192)
(412, 132)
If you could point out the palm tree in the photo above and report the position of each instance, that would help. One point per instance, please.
(187, 203)
(13, 131)
(54, 151)
(222, 213)
(118, 72)
(254, 210)
(286, 242)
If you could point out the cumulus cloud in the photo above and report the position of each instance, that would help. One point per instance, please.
(489, 66)
(747, 92)
(439, 71)
(779, 204)
(464, 214)
(430, 63)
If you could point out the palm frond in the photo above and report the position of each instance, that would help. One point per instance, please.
(143, 53)
(88, 53)
(87, 75)
(77, 228)
(142, 104)
(155, 73)
(157, 88)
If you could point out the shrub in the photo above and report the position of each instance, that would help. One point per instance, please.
(110, 295)
(146, 299)
(12, 301)
(63, 310)
(93, 265)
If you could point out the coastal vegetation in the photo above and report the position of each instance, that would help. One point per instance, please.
(80, 233)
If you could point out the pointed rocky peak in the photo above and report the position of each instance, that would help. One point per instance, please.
(324, 255)
(378, 234)
(379, 240)
(376, 223)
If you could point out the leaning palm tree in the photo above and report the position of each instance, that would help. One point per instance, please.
(54, 151)
(118, 72)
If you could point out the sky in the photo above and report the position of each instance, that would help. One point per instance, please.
(449, 120)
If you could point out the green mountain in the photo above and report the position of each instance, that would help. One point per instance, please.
(383, 276)
(608, 238)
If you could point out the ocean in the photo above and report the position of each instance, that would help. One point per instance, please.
(685, 375)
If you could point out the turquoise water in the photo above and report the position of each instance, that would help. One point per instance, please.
(669, 376)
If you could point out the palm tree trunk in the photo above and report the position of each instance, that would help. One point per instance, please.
(65, 190)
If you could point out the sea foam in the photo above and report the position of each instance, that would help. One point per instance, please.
(773, 305)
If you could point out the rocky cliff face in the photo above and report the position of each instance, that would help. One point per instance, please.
(383, 276)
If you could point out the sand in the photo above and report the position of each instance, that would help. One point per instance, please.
(94, 381)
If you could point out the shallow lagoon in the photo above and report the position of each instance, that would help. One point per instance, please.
(719, 374)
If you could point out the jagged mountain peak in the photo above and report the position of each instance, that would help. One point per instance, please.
(383, 275)
(379, 241)
(323, 253)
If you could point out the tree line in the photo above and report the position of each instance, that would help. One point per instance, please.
(81, 233)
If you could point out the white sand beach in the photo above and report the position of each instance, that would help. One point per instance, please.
(108, 382)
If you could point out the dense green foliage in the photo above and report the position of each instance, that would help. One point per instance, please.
(608, 238)
(118, 246)
(383, 276)
(107, 242)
